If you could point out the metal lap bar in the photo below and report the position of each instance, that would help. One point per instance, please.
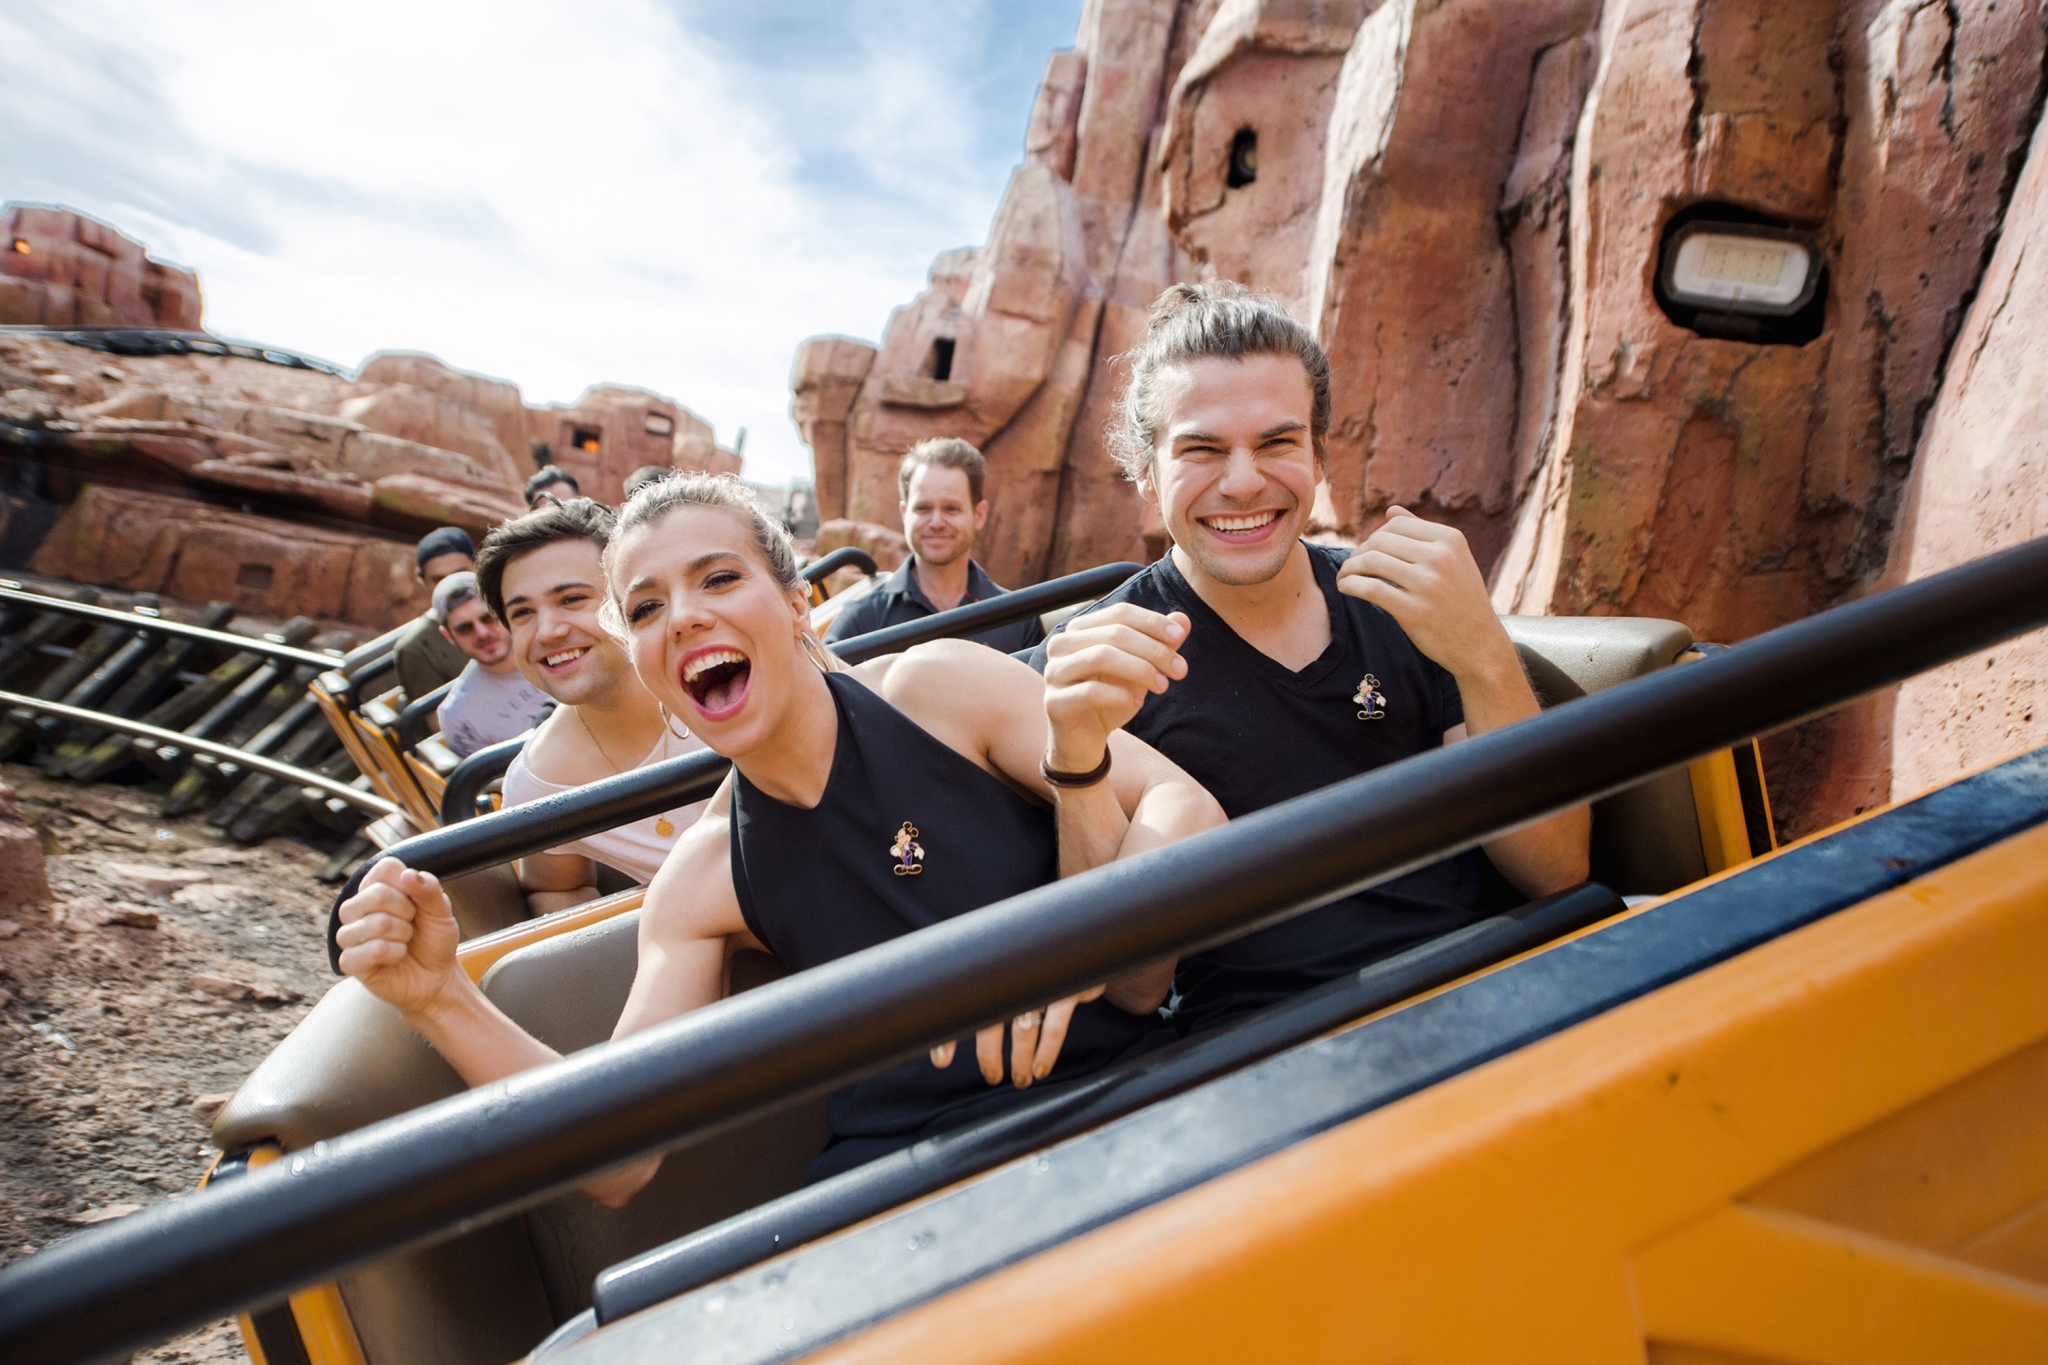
(498, 1149)
(565, 817)
(156, 625)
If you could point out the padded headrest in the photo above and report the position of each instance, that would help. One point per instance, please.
(1571, 656)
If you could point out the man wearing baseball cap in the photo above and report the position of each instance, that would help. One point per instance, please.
(426, 658)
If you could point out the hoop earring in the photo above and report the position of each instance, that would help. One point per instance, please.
(668, 722)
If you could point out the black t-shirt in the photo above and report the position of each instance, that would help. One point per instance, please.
(898, 598)
(906, 834)
(1256, 734)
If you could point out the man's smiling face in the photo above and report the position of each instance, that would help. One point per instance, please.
(1234, 470)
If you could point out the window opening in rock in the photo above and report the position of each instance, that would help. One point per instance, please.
(660, 424)
(1244, 159)
(21, 246)
(255, 576)
(939, 364)
(583, 438)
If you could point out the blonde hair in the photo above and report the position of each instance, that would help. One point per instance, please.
(656, 498)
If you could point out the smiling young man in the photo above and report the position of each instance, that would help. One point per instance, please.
(490, 701)
(943, 512)
(543, 576)
(1304, 665)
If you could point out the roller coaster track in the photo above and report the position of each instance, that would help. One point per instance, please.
(215, 720)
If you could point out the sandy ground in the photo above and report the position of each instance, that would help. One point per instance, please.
(170, 962)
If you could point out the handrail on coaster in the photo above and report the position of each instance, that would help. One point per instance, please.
(495, 1150)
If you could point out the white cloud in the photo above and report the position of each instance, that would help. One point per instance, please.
(557, 195)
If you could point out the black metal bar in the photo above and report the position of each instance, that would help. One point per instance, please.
(468, 845)
(844, 557)
(472, 775)
(987, 614)
(874, 1188)
(503, 1147)
(12, 592)
(416, 720)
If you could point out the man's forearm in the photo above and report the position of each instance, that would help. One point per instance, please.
(1552, 854)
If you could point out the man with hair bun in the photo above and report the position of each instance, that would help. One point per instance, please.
(1304, 665)
(940, 482)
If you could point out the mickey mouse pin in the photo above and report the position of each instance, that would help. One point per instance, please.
(909, 854)
(1369, 697)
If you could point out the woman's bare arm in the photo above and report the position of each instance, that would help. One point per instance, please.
(398, 937)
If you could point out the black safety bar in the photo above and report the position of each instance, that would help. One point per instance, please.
(415, 721)
(459, 799)
(888, 1182)
(503, 1147)
(845, 556)
(486, 841)
(157, 625)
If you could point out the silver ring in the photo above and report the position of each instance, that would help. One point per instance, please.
(1028, 1019)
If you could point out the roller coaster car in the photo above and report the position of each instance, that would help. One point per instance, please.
(491, 1293)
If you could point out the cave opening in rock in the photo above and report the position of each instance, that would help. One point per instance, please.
(586, 439)
(939, 363)
(1244, 159)
(256, 576)
(660, 424)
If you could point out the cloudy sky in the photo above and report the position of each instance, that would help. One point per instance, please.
(670, 193)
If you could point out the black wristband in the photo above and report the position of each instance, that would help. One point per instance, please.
(1088, 779)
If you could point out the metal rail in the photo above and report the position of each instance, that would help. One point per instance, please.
(846, 556)
(157, 625)
(227, 753)
(485, 841)
(503, 1147)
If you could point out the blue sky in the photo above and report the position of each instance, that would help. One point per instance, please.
(671, 193)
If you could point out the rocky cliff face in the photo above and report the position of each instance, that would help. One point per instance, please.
(285, 490)
(1474, 201)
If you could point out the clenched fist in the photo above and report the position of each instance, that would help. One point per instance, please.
(1098, 672)
(398, 936)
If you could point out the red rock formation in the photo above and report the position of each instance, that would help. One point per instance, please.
(824, 382)
(62, 269)
(24, 878)
(1980, 483)
(1470, 200)
(152, 542)
(613, 430)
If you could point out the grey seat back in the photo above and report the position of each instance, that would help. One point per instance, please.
(568, 991)
(1646, 840)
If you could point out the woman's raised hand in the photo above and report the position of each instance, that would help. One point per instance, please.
(398, 936)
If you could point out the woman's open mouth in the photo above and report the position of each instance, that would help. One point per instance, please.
(716, 680)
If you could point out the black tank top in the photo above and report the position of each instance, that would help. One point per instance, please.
(908, 833)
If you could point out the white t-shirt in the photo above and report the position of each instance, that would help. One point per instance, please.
(637, 849)
(484, 708)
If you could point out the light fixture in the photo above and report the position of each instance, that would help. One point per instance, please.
(1741, 268)
(1721, 273)
(21, 246)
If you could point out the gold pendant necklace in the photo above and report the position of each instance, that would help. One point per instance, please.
(662, 825)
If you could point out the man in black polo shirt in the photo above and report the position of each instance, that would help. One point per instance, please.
(943, 510)
(1278, 667)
